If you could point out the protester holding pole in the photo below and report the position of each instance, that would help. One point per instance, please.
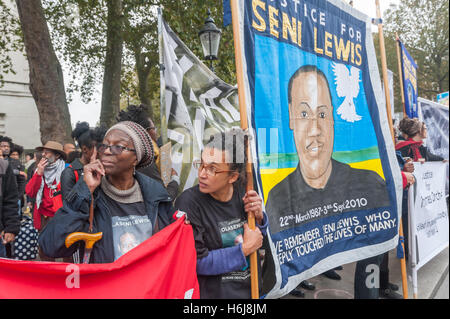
(217, 209)
(128, 206)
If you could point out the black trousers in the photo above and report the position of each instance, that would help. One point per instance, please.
(367, 278)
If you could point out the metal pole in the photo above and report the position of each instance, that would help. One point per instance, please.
(162, 83)
(411, 239)
(389, 114)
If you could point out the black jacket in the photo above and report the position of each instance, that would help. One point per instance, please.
(407, 151)
(68, 178)
(21, 181)
(153, 172)
(74, 217)
(9, 208)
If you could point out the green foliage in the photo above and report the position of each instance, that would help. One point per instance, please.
(10, 38)
(423, 27)
(78, 31)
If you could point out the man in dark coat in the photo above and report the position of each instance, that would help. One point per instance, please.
(9, 218)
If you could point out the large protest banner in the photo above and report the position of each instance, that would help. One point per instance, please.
(409, 79)
(428, 215)
(324, 155)
(197, 104)
(435, 116)
(162, 267)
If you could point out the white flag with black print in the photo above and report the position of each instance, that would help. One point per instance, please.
(197, 104)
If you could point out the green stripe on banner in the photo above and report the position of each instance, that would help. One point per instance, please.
(357, 156)
(284, 160)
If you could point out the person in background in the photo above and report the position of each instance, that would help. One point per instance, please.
(30, 172)
(72, 156)
(69, 148)
(7, 145)
(412, 150)
(217, 209)
(9, 219)
(139, 114)
(414, 132)
(29, 157)
(45, 186)
(87, 140)
(387, 289)
(16, 153)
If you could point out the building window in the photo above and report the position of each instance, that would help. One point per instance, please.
(2, 123)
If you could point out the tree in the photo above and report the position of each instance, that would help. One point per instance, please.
(113, 64)
(46, 77)
(10, 39)
(423, 27)
(79, 29)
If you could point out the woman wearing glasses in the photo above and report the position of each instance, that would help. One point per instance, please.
(217, 209)
(128, 206)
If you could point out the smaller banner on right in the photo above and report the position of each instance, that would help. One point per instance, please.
(409, 78)
(429, 216)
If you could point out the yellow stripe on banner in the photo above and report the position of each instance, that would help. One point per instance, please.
(272, 176)
(373, 165)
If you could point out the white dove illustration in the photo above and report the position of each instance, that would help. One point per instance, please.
(347, 85)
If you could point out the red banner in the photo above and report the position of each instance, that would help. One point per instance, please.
(162, 267)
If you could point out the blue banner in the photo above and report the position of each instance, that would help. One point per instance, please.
(323, 152)
(226, 13)
(409, 78)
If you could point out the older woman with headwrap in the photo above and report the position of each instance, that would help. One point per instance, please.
(129, 207)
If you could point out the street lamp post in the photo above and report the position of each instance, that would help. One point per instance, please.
(210, 38)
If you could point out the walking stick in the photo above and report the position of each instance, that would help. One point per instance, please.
(244, 126)
(89, 238)
(388, 111)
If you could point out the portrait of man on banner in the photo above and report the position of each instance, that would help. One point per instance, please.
(320, 180)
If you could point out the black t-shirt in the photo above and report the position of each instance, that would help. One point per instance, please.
(130, 224)
(217, 225)
(294, 196)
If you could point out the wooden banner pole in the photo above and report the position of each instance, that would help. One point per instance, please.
(400, 72)
(388, 111)
(244, 126)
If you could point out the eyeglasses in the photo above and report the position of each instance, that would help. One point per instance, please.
(210, 170)
(115, 149)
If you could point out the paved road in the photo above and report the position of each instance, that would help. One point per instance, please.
(432, 280)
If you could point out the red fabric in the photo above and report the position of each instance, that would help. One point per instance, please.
(47, 205)
(162, 267)
(414, 147)
(75, 172)
(404, 180)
